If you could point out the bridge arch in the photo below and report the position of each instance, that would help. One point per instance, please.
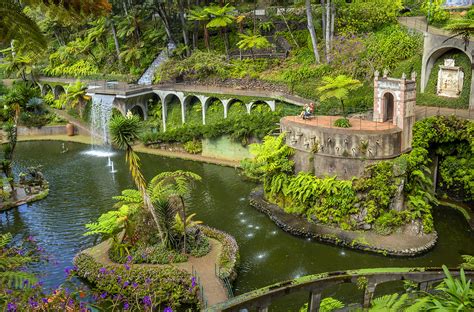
(165, 97)
(252, 105)
(45, 88)
(235, 106)
(138, 110)
(191, 101)
(208, 103)
(58, 90)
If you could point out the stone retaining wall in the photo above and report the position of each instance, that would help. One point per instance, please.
(299, 226)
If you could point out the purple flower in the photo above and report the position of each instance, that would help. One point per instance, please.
(147, 301)
(103, 271)
(9, 291)
(125, 285)
(134, 285)
(126, 306)
(45, 300)
(11, 306)
(129, 258)
(168, 309)
(103, 295)
(69, 270)
(147, 280)
(32, 303)
(25, 283)
(119, 279)
(127, 267)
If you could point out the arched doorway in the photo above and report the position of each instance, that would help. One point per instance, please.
(138, 111)
(58, 90)
(389, 107)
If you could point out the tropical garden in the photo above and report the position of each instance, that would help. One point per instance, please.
(147, 242)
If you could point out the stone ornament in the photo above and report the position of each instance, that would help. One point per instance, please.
(450, 79)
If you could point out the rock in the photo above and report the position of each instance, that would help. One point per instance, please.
(366, 226)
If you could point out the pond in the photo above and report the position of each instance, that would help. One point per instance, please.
(81, 188)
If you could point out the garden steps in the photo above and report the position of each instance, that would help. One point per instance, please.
(214, 290)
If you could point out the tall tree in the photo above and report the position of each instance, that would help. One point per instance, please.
(312, 32)
(125, 131)
(221, 18)
(200, 15)
(14, 24)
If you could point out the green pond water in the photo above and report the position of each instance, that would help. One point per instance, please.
(81, 188)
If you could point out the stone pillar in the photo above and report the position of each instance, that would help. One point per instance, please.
(471, 95)
(249, 107)
(164, 112)
(183, 111)
(369, 294)
(314, 301)
(203, 111)
(226, 106)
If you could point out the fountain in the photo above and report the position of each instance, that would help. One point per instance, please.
(101, 112)
(112, 170)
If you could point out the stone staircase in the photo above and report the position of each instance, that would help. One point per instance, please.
(147, 77)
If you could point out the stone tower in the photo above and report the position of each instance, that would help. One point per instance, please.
(394, 101)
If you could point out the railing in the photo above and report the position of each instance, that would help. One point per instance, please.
(420, 23)
(225, 281)
(262, 299)
(202, 295)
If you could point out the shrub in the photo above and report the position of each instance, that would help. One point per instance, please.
(229, 256)
(193, 147)
(140, 286)
(342, 123)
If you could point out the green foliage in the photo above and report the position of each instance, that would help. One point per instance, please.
(338, 87)
(198, 66)
(193, 147)
(252, 41)
(389, 303)
(468, 262)
(271, 158)
(166, 286)
(342, 123)
(434, 9)
(327, 305)
(366, 15)
(387, 47)
(388, 222)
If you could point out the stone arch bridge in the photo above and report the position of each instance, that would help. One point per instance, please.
(136, 98)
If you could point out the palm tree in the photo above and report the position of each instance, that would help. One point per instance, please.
(462, 28)
(200, 15)
(251, 40)
(125, 131)
(177, 185)
(15, 24)
(76, 95)
(338, 88)
(221, 18)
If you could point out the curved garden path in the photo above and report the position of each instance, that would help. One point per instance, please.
(204, 267)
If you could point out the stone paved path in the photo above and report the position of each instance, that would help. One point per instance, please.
(214, 290)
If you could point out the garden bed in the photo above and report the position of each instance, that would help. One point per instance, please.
(396, 244)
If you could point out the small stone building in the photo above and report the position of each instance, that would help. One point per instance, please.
(326, 150)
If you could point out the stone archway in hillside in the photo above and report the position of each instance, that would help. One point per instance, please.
(173, 109)
(437, 45)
